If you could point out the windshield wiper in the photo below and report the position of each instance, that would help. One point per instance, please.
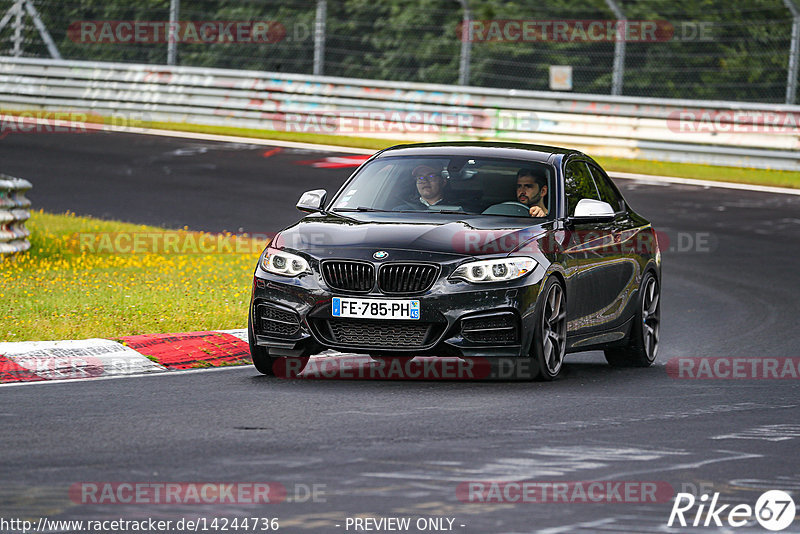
(452, 212)
(373, 210)
(360, 208)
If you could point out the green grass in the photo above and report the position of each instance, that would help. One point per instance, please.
(659, 168)
(68, 287)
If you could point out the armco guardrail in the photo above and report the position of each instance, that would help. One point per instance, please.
(13, 234)
(720, 133)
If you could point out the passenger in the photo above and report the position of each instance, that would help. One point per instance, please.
(531, 191)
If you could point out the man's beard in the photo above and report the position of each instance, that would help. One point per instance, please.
(531, 201)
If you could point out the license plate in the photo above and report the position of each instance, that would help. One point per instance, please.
(375, 308)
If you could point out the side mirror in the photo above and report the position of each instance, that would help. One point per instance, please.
(592, 210)
(312, 201)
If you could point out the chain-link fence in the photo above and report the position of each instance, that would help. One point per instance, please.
(742, 50)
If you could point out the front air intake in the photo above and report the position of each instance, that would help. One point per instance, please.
(501, 328)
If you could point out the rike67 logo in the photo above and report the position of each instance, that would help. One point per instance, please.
(774, 510)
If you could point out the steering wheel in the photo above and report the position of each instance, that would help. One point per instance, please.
(512, 207)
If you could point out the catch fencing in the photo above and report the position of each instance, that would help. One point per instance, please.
(734, 50)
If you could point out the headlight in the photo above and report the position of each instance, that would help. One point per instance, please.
(494, 270)
(279, 262)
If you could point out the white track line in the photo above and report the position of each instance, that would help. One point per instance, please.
(704, 183)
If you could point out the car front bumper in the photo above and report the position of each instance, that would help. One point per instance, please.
(293, 318)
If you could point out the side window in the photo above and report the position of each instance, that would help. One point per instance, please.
(578, 184)
(608, 191)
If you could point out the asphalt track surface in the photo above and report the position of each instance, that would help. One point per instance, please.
(400, 448)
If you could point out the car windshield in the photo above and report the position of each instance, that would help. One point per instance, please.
(456, 184)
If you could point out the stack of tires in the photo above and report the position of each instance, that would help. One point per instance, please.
(13, 214)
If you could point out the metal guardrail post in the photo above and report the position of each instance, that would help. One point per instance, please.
(13, 234)
(172, 46)
(319, 37)
(794, 52)
(18, 12)
(466, 44)
(619, 47)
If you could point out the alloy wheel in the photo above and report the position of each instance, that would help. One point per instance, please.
(650, 318)
(554, 330)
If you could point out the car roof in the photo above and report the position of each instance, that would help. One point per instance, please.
(491, 149)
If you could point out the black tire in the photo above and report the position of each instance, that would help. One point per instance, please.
(262, 361)
(642, 347)
(548, 346)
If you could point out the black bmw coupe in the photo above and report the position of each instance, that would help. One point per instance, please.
(497, 251)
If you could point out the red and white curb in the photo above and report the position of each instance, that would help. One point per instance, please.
(33, 361)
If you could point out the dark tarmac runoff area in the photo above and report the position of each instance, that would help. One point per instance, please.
(345, 449)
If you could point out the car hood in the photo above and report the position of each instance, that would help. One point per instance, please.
(326, 235)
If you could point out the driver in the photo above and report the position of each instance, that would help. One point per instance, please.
(531, 190)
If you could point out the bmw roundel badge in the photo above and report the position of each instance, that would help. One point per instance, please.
(381, 254)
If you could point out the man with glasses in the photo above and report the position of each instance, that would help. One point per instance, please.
(432, 188)
(430, 185)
